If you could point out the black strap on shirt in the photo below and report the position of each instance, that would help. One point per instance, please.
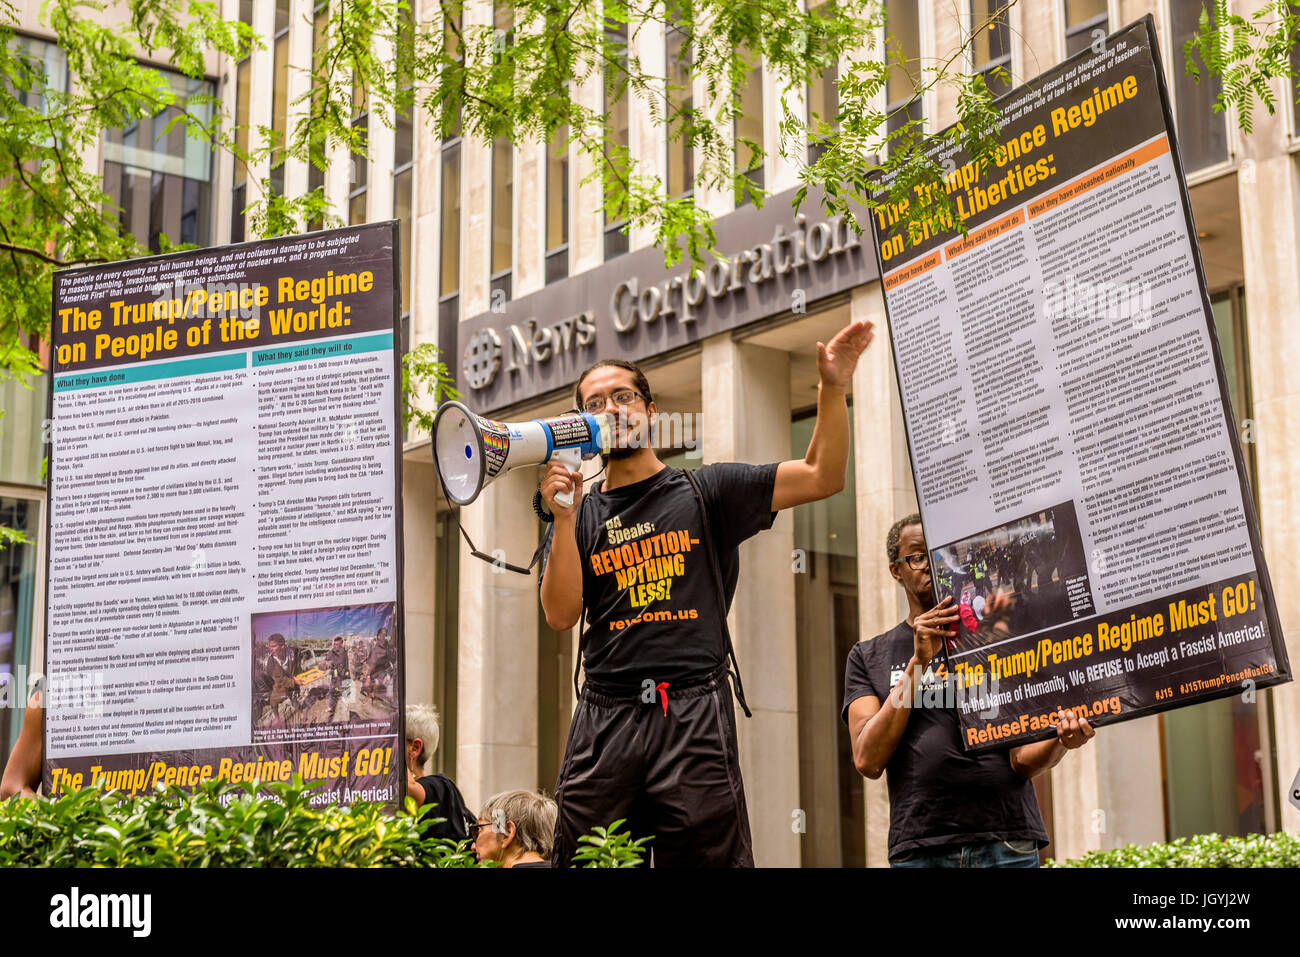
(500, 562)
(720, 592)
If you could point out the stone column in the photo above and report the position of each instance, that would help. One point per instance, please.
(299, 85)
(1037, 38)
(1269, 196)
(476, 201)
(883, 476)
(586, 200)
(939, 43)
(382, 147)
(746, 399)
(648, 139)
(782, 169)
(1109, 792)
(261, 80)
(529, 210)
(496, 680)
(718, 202)
(426, 254)
(223, 164)
(419, 573)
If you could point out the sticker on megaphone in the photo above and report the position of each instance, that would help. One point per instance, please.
(470, 451)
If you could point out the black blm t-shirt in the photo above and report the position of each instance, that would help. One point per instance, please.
(647, 589)
(938, 793)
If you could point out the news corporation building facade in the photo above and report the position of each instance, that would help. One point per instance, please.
(510, 267)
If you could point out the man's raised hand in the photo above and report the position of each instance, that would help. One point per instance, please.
(559, 479)
(837, 360)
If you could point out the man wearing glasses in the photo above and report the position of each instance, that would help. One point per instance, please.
(947, 807)
(653, 739)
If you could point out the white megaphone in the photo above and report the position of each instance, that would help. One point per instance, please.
(469, 451)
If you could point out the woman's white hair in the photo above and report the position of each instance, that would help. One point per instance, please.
(422, 723)
(534, 816)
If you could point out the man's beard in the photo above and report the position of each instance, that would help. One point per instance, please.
(634, 440)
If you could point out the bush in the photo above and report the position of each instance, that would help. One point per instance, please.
(610, 848)
(219, 824)
(1204, 850)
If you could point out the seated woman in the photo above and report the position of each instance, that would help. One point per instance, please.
(516, 828)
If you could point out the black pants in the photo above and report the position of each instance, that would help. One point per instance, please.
(673, 776)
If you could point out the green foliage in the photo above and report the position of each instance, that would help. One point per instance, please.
(424, 373)
(1204, 850)
(12, 536)
(610, 847)
(53, 210)
(1246, 53)
(219, 824)
(216, 825)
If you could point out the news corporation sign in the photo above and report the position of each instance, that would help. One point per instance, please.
(774, 261)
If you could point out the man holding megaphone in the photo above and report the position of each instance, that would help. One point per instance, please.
(651, 555)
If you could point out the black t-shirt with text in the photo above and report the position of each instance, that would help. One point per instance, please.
(938, 793)
(647, 589)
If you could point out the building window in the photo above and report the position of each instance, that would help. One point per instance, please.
(358, 178)
(49, 71)
(316, 166)
(449, 221)
(449, 242)
(903, 42)
(503, 163)
(1230, 324)
(404, 174)
(681, 153)
(615, 96)
(403, 200)
(450, 206)
(557, 206)
(1202, 133)
(1295, 80)
(22, 441)
(1083, 20)
(20, 585)
(748, 133)
(991, 49)
(446, 628)
(239, 185)
(279, 95)
(823, 93)
(162, 181)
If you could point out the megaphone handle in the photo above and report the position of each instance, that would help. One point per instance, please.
(572, 459)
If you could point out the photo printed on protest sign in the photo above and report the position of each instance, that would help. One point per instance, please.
(224, 573)
(1075, 454)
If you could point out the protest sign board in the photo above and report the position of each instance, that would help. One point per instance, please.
(224, 573)
(1075, 453)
